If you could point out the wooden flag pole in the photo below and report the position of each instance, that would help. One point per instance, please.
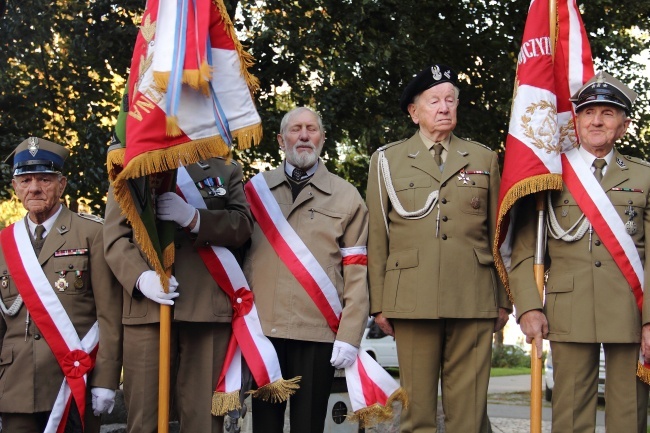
(164, 369)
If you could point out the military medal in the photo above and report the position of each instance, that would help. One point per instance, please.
(61, 283)
(220, 190)
(78, 282)
(630, 225)
(463, 177)
(476, 202)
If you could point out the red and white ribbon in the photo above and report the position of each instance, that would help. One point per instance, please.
(75, 357)
(248, 337)
(369, 385)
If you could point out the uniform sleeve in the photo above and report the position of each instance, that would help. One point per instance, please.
(122, 254)
(495, 183)
(108, 303)
(377, 235)
(229, 227)
(355, 274)
(522, 282)
(646, 262)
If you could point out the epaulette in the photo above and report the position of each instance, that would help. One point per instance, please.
(228, 160)
(477, 143)
(637, 160)
(91, 217)
(394, 143)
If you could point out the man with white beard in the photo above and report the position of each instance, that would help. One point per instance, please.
(308, 222)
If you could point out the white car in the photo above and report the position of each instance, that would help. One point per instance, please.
(379, 345)
(548, 376)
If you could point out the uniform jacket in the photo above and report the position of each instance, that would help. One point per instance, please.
(587, 298)
(226, 222)
(328, 214)
(30, 376)
(416, 273)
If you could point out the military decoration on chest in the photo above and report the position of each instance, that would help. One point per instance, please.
(213, 185)
(61, 284)
(463, 176)
(630, 225)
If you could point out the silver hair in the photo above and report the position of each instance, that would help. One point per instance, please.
(297, 110)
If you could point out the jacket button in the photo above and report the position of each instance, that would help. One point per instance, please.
(444, 237)
(37, 336)
(411, 184)
(273, 331)
(597, 242)
(443, 201)
(566, 201)
(597, 264)
(70, 266)
(444, 218)
(444, 184)
(396, 264)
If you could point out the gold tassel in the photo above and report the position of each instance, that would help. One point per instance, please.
(643, 373)
(161, 80)
(114, 162)
(375, 414)
(224, 402)
(278, 391)
(530, 185)
(168, 256)
(171, 127)
(248, 136)
(171, 158)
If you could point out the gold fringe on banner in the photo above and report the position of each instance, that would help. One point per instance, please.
(278, 391)
(114, 162)
(248, 136)
(161, 80)
(643, 373)
(125, 200)
(156, 161)
(525, 187)
(375, 414)
(224, 402)
(171, 127)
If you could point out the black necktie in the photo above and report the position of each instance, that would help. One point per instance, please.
(38, 239)
(599, 163)
(437, 154)
(297, 174)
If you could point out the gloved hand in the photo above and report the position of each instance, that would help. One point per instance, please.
(149, 284)
(103, 400)
(171, 207)
(343, 354)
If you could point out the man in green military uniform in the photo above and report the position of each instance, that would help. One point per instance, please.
(598, 261)
(58, 297)
(432, 201)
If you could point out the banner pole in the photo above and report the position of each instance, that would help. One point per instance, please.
(164, 369)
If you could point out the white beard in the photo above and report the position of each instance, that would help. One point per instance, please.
(302, 159)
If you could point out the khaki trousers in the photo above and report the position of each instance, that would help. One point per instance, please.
(456, 351)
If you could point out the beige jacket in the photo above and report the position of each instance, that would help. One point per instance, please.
(587, 298)
(30, 376)
(439, 266)
(328, 214)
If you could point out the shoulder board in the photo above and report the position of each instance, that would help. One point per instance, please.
(637, 160)
(478, 144)
(91, 217)
(228, 160)
(394, 143)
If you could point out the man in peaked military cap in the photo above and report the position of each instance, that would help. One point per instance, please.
(57, 296)
(594, 291)
(432, 201)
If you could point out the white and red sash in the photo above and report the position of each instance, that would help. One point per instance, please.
(75, 357)
(248, 338)
(371, 389)
(602, 215)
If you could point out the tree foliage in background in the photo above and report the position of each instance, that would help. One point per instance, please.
(63, 65)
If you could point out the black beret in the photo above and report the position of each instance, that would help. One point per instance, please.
(425, 79)
(604, 89)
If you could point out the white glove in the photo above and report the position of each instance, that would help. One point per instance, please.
(171, 207)
(149, 284)
(343, 354)
(103, 400)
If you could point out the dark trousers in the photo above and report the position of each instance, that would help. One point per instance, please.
(308, 410)
(36, 422)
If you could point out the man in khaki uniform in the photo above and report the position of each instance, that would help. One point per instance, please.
(202, 312)
(589, 301)
(62, 254)
(432, 201)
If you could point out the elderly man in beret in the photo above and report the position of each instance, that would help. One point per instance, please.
(591, 295)
(432, 201)
(57, 296)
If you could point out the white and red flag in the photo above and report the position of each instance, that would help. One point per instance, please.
(549, 71)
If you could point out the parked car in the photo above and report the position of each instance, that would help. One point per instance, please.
(379, 345)
(548, 376)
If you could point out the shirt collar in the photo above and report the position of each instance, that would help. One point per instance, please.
(429, 143)
(47, 224)
(288, 168)
(589, 158)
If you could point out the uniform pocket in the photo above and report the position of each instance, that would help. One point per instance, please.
(559, 299)
(486, 290)
(6, 359)
(413, 192)
(400, 294)
(72, 275)
(473, 195)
